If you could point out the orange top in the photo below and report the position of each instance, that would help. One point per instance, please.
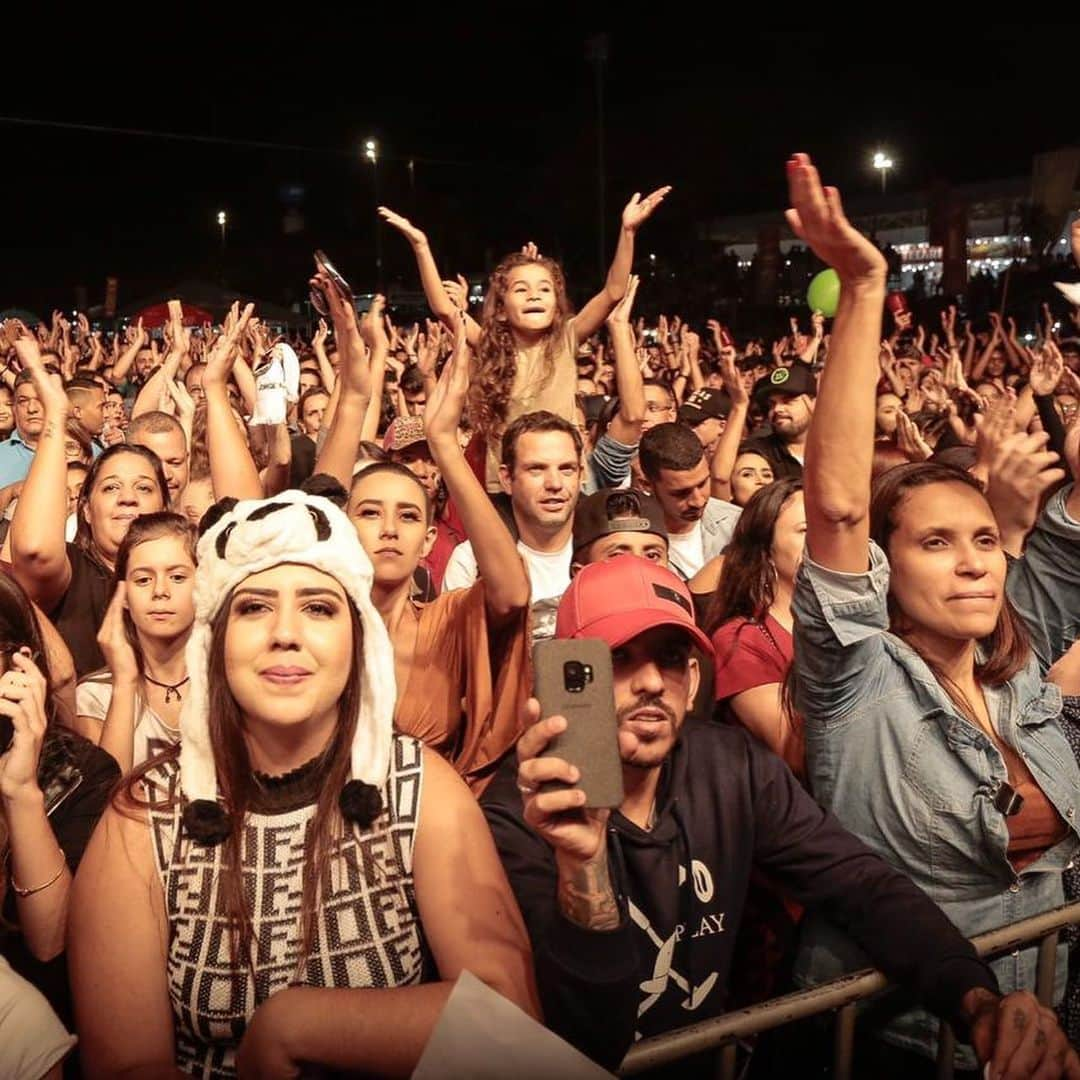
(466, 688)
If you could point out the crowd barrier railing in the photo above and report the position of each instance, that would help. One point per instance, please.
(722, 1034)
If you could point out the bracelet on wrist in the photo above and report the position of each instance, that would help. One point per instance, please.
(23, 893)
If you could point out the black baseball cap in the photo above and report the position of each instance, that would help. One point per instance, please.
(615, 510)
(795, 380)
(705, 404)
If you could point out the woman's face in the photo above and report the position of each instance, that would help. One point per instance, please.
(888, 405)
(125, 488)
(288, 650)
(160, 581)
(995, 366)
(751, 472)
(7, 414)
(390, 517)
(789, 537)
(948, 566)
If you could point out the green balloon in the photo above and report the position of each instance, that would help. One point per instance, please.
(824, 293)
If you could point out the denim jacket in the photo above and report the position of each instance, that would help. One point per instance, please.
(891, 756)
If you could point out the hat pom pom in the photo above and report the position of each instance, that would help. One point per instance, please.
(206, 822)
(360, 802)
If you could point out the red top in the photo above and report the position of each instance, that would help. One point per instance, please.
(746, 656)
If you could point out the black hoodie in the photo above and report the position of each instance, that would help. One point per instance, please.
(724, 804)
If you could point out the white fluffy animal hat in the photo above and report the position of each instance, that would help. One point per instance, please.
(243, 538)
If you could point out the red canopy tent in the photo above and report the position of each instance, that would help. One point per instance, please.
(158, 315)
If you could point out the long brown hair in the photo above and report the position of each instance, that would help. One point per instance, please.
(1008, 648)
(746, 585)
(496, 353)
(236, 785)
(18, 627)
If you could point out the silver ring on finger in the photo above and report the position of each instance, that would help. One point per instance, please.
(526, 789)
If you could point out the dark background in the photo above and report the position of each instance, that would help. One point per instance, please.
(501, 123)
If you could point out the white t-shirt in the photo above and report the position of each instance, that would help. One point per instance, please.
(152, 735)
(686, 551)
(32, 1039)
(549, 578)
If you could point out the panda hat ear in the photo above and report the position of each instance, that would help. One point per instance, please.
(238, 539)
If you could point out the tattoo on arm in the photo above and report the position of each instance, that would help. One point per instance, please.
(587, 899)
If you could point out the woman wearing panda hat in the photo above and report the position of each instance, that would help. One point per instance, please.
(268, 895)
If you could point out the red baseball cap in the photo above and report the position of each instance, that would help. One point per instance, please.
(618, 599)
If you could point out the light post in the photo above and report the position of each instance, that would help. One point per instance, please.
(883, 163)
(221, 223)
(371, 152)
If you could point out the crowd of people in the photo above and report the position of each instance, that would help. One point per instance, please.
(272, 774)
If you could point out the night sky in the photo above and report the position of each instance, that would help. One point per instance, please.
(501, 125)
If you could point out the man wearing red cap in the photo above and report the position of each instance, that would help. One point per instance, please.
(634, 912)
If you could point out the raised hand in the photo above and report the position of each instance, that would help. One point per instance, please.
(321, 334)
(49, 386)
(219, 362)
(113, 640)
(1047, 367)
(909, 439)
(22, 699)
(442, 414)
(458, 291)
(429, 348)
(530, 251)
(638, 210)
(733, 380)
(403, 226)
(620, 313)
(817, 217)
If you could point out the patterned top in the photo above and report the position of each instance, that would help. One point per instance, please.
(367, 933)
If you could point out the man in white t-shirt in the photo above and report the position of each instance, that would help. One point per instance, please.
(699, 527)
(541, 472)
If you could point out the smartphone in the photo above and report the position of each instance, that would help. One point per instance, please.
(572, 678)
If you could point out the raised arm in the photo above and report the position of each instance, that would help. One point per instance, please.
(506, 585)
(442, 307)
(139, 338)
(727, 448)
(840, 443)
(626, 424)
(984, 357)
(38, 543)
(636, 212)
(155, 395)
(118, 730)
(318, 345)
(338, 454)
(232, 469)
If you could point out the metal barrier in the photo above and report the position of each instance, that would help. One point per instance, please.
(722, 1032)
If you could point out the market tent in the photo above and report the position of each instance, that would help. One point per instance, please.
(158, 315)
(208, 298)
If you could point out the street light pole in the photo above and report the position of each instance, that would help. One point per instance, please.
(221, 222)
(371, 152)
(883, 163)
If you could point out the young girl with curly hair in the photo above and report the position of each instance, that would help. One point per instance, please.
(527, 337)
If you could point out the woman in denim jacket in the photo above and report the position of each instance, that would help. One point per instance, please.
(929, 729)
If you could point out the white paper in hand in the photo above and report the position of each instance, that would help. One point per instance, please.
(1070, 290)
(483, 1036)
